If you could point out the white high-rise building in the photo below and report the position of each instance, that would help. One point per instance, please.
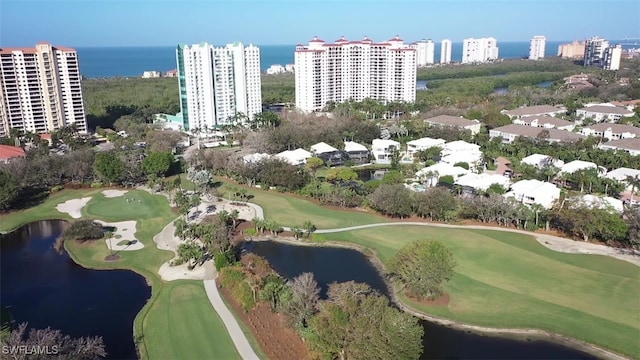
(479, 50)
(612, 56)
(594, 51)
(426, 50)
(40, 89)
(218, 85)
(445, 51)
(357, 70)
(537, 47)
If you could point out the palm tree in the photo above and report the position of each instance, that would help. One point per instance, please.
(634, 181)
(233, 217)
(297, 232)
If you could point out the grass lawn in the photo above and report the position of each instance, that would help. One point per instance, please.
(510, 280)
(45, 211)
(292, 211)
(178, 321)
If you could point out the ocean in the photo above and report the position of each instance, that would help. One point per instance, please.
(133, 61)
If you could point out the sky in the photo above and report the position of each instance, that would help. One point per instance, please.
(81, 23)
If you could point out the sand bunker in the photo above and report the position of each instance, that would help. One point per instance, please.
(113, 193)
(73, 207)
(180, 272)
(124, 231)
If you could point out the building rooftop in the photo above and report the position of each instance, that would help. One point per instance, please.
(603, 109)
(253, 158)
(533, 186)
(482, 181)
(459, 145)
(615, 128)
(577, 165)
(322, 147)
(533, 110)
(544, 119)
(442, 169)
(621, 174)
(426, 142)
(350, 146)
(451, 120)
(8, 152)
(532, 132)
(623, 144)
(598, 202)
(540, 159)
(382, 143)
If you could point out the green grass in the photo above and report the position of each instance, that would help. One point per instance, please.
(509, 280)
(189, 326)
(44, 211)
(178, 321)
(292, 211)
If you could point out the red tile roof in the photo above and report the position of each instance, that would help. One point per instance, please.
(45, 136)
(315, 39)
(396, 38)
(8, 152)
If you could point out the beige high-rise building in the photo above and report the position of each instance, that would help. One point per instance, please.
(575, 50)
(40, 89)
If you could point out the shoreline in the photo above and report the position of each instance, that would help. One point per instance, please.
(510, 333)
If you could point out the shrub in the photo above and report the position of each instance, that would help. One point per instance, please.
(57, 188)
(463, 165)
(251, 232)
(96, 184)
(231, 276)
(83, 230)
(244, 295)
(224, 259)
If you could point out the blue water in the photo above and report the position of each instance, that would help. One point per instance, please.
(133, 61)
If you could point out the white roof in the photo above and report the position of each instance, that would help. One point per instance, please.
(381, 143)
(426, 142)
(460, 145)
(530, 187)
(577, 165)
(541, 159)
(322, 147)
(295, 157)
(255, 157)
(622, 173)
(482, 181)
(599, 202)
(458, 157)
(354, 146)
(443, 169)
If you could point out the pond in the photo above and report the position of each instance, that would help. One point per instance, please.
(340, 264)
(48, 289)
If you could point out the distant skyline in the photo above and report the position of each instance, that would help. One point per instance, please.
(82, 23)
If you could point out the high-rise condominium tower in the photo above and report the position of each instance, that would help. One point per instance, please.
(40, 89)
(479, 50)
(445, 51)
(218, 84)
(594, 49)
(425, 52)
(537, 47)
(343, 70)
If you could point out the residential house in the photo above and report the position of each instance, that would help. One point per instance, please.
(474, 183)
(455, 121)
(358, 153)
(597, 202)
(382, 150)
(604, 113)
(578, 165)
(8, 152)
(330, 155)
(415, 146)
(509, 133)
(295, 157)
(431, 175)
(537, 110)
(531, 192)
(612, 131)
(544, 121)
(460, 151)
(632, 146)
(621, 174)
(540, 161)
(254, 158)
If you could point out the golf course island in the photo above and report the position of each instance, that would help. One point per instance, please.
(505, 281)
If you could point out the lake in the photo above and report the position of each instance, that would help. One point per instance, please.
(339, 264)
(48, 289)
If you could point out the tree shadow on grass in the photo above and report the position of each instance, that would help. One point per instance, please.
(30, 197)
